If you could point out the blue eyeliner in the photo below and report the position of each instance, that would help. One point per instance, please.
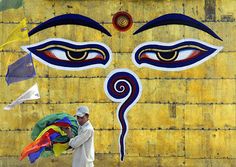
(180, 19)
(74, 19)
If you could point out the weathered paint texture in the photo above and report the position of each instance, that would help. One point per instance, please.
(210, 10)
(183, 119)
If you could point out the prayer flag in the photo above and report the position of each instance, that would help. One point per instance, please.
(35, 155)
(59, 148)
(36, 145)
(19, 33)
(30, 94)
(22, 69)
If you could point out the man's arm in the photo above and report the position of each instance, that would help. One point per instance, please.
(81, 138)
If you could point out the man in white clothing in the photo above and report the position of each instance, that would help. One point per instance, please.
(83, 143)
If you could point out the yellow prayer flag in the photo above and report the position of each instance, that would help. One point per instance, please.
(59, 148)
(55, 128)
(20, 33)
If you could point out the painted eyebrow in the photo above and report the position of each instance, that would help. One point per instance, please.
(73, 19)
(175, 18)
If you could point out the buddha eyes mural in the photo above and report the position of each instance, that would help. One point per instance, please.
(67, 55)
(175, 56)
(122, 85)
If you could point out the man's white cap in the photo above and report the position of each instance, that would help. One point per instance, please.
(81, 111)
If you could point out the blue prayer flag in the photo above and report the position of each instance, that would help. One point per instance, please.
(22, 69)
(35, 155)
(64, 120)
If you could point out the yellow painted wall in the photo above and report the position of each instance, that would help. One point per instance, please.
(184, 118)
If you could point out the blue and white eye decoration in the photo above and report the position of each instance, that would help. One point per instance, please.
(176, 56)
(68, 55)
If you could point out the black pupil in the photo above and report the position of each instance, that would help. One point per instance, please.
(73, 56)
(167, 56)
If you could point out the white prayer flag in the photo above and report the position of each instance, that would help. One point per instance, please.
(31, 94)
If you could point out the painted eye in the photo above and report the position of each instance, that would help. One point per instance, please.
(68, 55)
(60, 53)
(176, 56)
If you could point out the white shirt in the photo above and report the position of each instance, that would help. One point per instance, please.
(83, 144)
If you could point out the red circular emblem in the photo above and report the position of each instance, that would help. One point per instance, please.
(122, 21)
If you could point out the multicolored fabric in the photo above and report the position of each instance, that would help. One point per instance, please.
(52, 129)
(36, 145)
(49, 120)
(49, 138)
(65, 122)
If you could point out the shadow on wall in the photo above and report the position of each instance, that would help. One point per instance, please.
(9, 4)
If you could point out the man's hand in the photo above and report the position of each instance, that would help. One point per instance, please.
(67, 131)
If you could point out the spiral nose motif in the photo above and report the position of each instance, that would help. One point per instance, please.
(123, 86)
